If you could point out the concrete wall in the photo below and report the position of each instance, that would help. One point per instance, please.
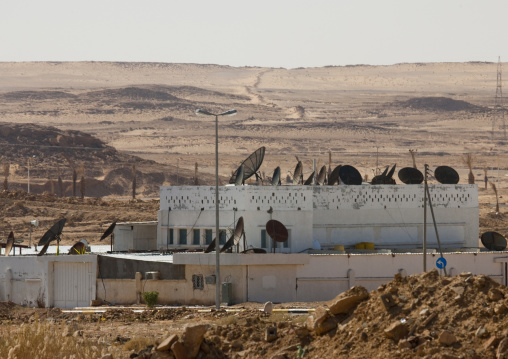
(390, 216)
(30, 280)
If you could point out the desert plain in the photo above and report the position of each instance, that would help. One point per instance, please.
(112, 123)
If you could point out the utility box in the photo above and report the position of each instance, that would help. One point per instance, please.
(227, 293)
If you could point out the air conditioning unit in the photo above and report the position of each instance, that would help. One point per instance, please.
(152, 275)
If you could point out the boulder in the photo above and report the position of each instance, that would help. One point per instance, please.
(167, 343)
(321, 322)
(447, 338)
(502, 349)
(192, 338)
(179, 350)
(397, 331)
(346, 301)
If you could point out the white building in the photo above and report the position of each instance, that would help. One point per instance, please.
(390, 216)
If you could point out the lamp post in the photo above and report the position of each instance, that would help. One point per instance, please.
(217, 234)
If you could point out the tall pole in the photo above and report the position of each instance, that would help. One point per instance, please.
(425, 220)
(217, 234)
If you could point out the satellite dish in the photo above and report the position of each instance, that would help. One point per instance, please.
(10, 244)
(410, 175)
(211, 246)
(385, 177)
(446, 175)
(239, 176)
(277, 231)
(250, 165)
(44, 249)
(334, 176)
(276, 177)
(350, 175)
(77, 248)
(87, 246)
(298, 176)
(321, 178)
(235, 238)
(310, 179)
(108, 231)
(493, 241)
(53, 233)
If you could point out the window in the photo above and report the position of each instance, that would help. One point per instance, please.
(263, 238)
(198, 282)
(208, 236)
(170, 239)
(183, 235)
(222, 237)
(196, 237)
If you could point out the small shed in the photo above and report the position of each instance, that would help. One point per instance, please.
(137, 236)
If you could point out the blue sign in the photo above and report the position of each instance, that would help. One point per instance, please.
(441, 263)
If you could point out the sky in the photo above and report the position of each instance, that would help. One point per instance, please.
(276, 33)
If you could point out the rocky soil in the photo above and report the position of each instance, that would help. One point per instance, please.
(424, 315)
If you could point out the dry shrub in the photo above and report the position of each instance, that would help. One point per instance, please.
(47, 341)
(468, 160)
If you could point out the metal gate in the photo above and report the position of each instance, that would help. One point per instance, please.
(73, 284)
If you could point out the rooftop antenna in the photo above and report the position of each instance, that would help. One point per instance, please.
(298, 175)
(446, 175)
(412, 153)
(10, 244)
(51, 234)
(493, 241)
(109, 232)
(498, 105)
(321, 178)
(276, 177)
(334, 176)
(235, 237)
(277, 231)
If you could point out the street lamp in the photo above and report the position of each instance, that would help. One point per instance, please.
(217, 234)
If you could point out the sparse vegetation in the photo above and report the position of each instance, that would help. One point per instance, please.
(150, 298)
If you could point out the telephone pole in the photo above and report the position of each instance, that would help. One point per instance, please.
(498, 105)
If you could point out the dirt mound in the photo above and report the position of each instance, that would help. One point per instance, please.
(440, 104)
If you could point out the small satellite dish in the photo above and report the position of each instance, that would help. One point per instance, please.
(239, 176)
(276, 177)
(277, 231)
(235, 238)
(410, 175)
(53, 233)
(334, 176)
(493, 241)
(87, 246)
(309, 180)
(385, 177)
(446, 175)
(77, 248)
(321, 178)
(108, 231)
(350, 175)
(250, 165)
(10, 244)
(35, 223)
(298, 175)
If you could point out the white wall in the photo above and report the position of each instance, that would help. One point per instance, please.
(141, 236)
(27, 280)
(391, 216)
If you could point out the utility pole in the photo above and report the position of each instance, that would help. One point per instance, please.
(498, 105)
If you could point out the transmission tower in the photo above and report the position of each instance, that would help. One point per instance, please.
(498, 105)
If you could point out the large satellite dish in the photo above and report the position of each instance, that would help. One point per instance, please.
(240, 173)
(254, 250)
(309, 180)
(298, 175)
(10, 244)
(410, 175)
(493, 241)
(235, 237)
(276, 177)
(250, 165)
(53, 233)
(334, 176)
(321, 178)
(350, 175)
(446, 175)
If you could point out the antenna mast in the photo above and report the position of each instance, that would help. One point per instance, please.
(498, 105)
